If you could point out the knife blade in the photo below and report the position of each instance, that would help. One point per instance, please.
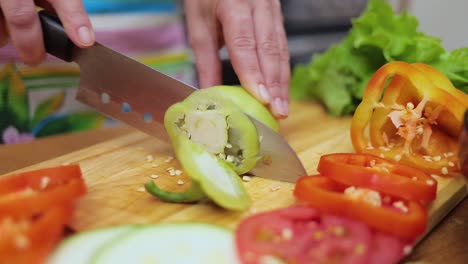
(463, 151)
(138, 95)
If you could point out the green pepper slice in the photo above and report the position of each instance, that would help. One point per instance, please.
(247, 103)
(219, 126)
(214, 142)
(217, 179)
(194, 194)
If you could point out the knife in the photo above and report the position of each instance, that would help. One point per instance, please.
(463, 152)
(138, 95)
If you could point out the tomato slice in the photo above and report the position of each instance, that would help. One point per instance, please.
(29, 240)
(28, 193)
(300, 234)
(402, 218)
(379, 174)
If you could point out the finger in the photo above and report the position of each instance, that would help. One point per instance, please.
(285, 68)
(268, 51)
(75, 21)
(203, 38)
(24, 29)
(238, 30)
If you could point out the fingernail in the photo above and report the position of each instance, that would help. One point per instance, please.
(277, 106)
(285, 107)
(85, 35)
(281, 107)
(263, 92)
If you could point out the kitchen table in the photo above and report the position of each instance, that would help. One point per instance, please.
(447, 243)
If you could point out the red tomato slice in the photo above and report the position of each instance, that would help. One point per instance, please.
(300, 234)
(406, 219)
(28, 193)
(379, 174)
(387, 249)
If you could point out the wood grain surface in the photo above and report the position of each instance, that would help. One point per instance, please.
(115, 170)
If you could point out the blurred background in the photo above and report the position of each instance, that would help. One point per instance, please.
(39, 101)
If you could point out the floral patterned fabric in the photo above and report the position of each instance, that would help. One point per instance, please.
(40, 101)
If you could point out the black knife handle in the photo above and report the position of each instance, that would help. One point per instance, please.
(56, 40)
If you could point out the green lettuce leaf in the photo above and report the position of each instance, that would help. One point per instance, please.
(455, 66)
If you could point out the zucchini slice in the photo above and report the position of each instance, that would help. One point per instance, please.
(180, 243)
(80, 248)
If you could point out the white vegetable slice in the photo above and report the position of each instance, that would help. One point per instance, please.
(80, 248)
(181, 243)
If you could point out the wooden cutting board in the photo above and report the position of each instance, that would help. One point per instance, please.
(116, 170)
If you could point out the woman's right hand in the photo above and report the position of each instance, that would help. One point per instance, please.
(20, 23)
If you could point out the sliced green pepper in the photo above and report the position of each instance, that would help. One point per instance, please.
(215, 142)
(218, 126)
(247, 103)
(217, 179)
(194, 194)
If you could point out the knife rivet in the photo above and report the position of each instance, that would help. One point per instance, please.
(126, 108)
(147, 117)
(105, 98)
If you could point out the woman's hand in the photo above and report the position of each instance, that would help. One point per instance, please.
(254, 35)
(19, 21)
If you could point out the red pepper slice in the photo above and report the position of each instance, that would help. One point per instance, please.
(379, 174)
(28, 193)
(328, 196)
(30, 239)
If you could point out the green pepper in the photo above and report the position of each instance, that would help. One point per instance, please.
(215, 141)
(193, 194)
(215, 177)
(247, 103)
(218, 126)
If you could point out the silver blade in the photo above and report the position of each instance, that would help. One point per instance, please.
(280, 161)
(138, 95)
(111, 83)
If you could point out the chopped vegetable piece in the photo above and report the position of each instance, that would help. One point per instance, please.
(247, 103)
(30, 239)
(219, 126)
(171, 243)
(382, 175)
(214, 142)
(210, 176)
(412, 119)
(34, 208)
(86, 244)
(301, 234)
(329, 196)
(193, 194)
(26, 193)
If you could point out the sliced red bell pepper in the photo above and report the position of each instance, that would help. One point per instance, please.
(412, 114)
(29, 239)
(405, 219)
(379, 174)
(31, 192)
(35, 206)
